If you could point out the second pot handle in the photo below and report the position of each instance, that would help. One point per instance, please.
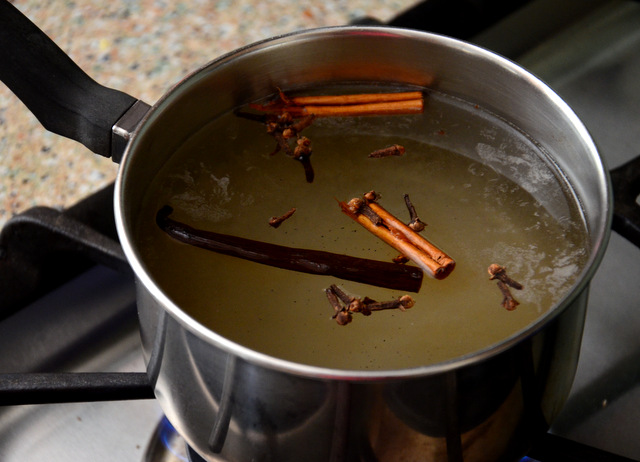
(60, 94)
(626, 210)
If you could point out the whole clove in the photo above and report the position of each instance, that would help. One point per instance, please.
(275, 222)
(283, 127)
(342, 316)
(415, 223)
(504, 282)
(394, 150)
(345, 305)
(302, 154)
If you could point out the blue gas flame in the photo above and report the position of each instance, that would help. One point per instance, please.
(174, 445)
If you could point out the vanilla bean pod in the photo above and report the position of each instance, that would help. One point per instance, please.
(377, 273)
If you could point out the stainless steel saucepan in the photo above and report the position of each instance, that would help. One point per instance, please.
(235, 404)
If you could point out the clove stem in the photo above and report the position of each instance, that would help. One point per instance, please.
(508, 302)
(415, 223)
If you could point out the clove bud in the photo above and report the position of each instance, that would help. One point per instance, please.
(344, 305)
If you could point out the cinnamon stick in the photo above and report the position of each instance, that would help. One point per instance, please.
(361, 98)
(411, 102)
(377, 273)
(413, 106)
(437, 255)
(394, 232)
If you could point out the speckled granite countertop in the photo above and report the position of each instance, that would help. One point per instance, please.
(141, 47)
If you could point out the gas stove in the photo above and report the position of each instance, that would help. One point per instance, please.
(85, 320)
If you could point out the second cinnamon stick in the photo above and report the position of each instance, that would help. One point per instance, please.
(441, 258)
(402, 238)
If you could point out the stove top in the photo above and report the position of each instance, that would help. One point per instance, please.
(595, 66)
(89, 324)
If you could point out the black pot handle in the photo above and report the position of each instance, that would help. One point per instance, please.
(626, 210)
(63, 98)
(73, 387)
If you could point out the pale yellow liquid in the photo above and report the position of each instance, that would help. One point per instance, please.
(224, 180)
